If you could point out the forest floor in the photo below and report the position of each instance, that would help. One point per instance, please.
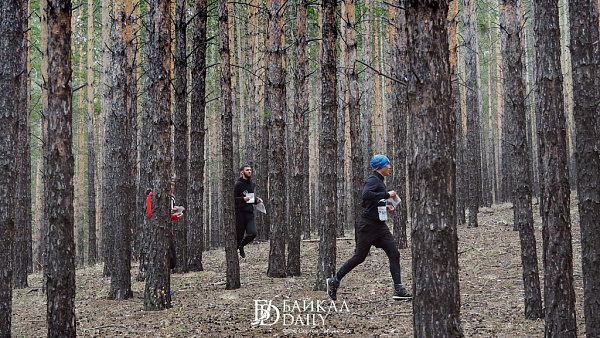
(491, 289)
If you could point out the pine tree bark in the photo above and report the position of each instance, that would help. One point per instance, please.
(12, 18)
(91, 151)
(180, 122)
(456, 98)
(585, 61)
(105, 234)
(398, 108)
(516, 137)
(23, 221)
(118, 181)
(367, 109)
(157, 118)
(299, 146)
(559, 294)
(356, 136)
(432, 174)
(472, 110)
(328, 147)
(195, 212)
(80, 158)
(59, 270)
(131, 76)
(43, 224)
(227, 178)
(341, 205)
(275, 109)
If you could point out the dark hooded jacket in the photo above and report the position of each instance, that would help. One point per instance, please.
(374, 190)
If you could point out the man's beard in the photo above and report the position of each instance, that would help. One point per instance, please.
(246, 177)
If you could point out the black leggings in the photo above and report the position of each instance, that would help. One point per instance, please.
(370, 234)
(244, 223)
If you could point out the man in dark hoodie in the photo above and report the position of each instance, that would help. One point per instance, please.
(243, 194)
(372, 230)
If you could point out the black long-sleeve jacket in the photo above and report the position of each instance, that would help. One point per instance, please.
(241, 188)
(374, 190)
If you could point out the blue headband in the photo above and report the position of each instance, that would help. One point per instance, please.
(379, 161)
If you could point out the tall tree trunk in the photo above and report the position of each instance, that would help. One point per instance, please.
(516, 137)
(157, 117)
(106, 106)
(43, 224)
(432, 174)
(473, 113)
(23, 222)
(275, 109)
(38, 221)
(499, 185)
(180, 121)
(118, 180)
(59, 271)
(80, 159)
(227, 178)
(368, 88)
(131, 76)
(12, 39)
(456, 98)
(398, 108)
(91, 151)
(299, 146)
(559, 295)
(235, 123)
(256, 149)
(195, 212)
(341, 205)
(328, 147)
(585, 61)
(356, 135)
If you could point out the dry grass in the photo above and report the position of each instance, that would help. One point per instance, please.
(490, 283)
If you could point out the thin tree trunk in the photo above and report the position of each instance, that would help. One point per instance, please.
(585, 61)
(180, 122)
(196, 194)
(456, 97)
(227, 178)
(91, 169)
(368, 89)
(157, 117)
(432, 174)
(118, 183)
(398, 130)
(472, 111)
(559, 295)
(38, 255)
(22, 241)
(12, 22)
(80, 161)
(356, 136)
(342, 214)
(106, 104)
(299, 177)
(231, 22)
(131, 76)
(41, 169)
(261, 166)
(275, 108)
(516, 137)
(59, 271)
(328, 147)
